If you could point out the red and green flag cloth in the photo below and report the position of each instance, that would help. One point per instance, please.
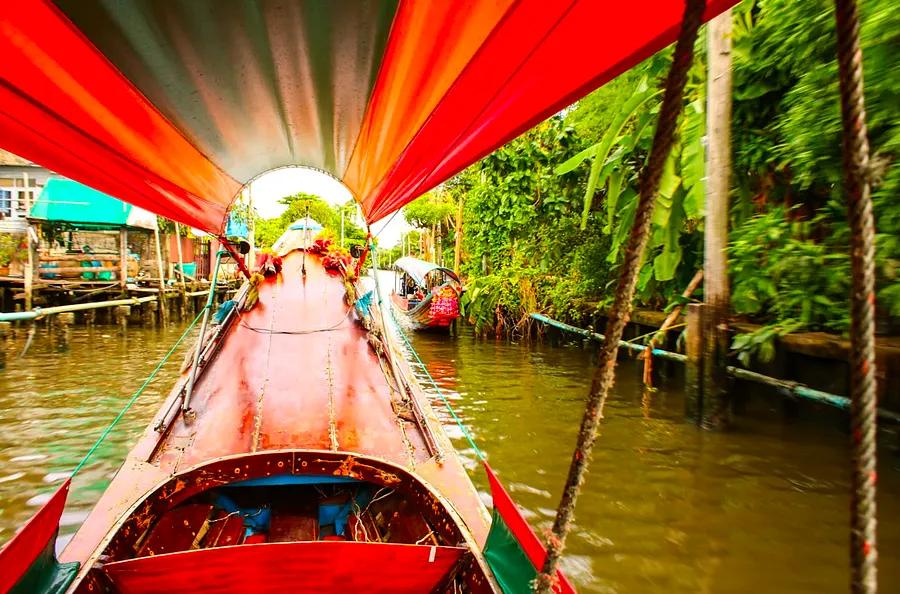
(174, 106)
(28, 560)
(513, 551)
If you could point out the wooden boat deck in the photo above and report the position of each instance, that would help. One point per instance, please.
(295, 372)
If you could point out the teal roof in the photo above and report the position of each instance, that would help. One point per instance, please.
(67, 201)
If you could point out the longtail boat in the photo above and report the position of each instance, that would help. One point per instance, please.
(296, 452)
(426, 294)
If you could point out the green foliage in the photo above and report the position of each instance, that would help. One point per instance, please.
(430, 209)
(761, 342)
(12, 246)
(555, 206)
(267, 231)
(780, 273)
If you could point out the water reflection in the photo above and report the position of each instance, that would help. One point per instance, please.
(666, 507)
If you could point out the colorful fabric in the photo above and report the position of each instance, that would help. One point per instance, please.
(174, 109)
(444, 305)
(513, 551)
(28, 563)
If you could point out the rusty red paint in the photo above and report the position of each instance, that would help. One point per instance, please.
(293, 378)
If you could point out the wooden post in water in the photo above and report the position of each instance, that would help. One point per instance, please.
(181, 304)
(4, 332)
(162, 277)
(123, 257)
(122, 314)
(693, 371)
(64, 323)
(30, 267)
(148, 313)
(716, 292)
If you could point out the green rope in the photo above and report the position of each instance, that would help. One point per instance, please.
(134, 397)
(437, 389)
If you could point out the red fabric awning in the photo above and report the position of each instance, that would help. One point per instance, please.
(173, 107)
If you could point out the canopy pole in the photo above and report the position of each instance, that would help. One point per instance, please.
(238, 259)
(198, 349)
(306, 242)
(604, 374)
(863, 400)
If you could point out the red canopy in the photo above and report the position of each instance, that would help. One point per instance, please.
(173, 107)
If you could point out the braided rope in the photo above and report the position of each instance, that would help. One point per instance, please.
(863, 551)
(604, 374)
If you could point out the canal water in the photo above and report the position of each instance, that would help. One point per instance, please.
(666, 508)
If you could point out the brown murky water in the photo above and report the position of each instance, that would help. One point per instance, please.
(667, 508)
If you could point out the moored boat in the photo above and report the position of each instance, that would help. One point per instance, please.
(426, 294)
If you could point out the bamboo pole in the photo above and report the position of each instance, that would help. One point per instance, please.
(716, 293)
(667, 323)
(162, 277)
(694, 362)
(41, 312)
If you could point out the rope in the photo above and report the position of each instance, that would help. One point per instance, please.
(604, 374)
(438, 390)
(135, 396)
(863, 551)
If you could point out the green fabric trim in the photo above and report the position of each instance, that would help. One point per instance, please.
(47, 575)
(511, 567)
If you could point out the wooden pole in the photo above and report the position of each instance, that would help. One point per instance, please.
(29, 270)
(123, 257)
(693, 373)
(32, 264)
(180, 255)
(162, 277)
(716, 290)
(457, 257)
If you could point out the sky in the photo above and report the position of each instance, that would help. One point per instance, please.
(270, 187)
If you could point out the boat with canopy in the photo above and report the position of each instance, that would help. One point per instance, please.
(426, 294)
(297, 452)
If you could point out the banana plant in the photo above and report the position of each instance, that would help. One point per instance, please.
(681, 192)
(603, 164)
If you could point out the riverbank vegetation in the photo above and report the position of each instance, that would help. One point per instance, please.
(267, 231)
(545, 217)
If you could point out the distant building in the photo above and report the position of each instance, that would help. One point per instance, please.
(21, 182)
